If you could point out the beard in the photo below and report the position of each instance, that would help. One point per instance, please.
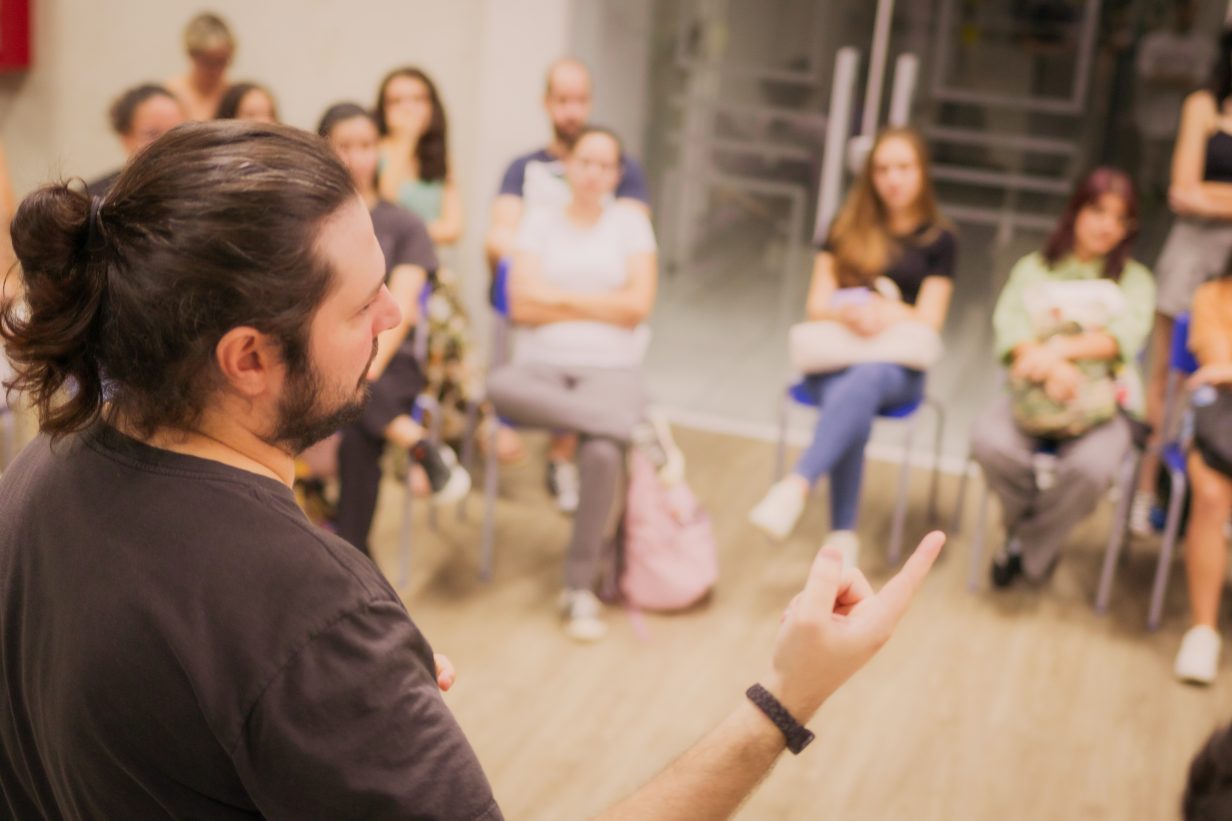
(305, 417)
(567, 133)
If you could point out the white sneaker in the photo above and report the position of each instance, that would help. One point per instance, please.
(459, 482)
(848, 544)
(653, 436)
(564, 482)
(583, 615)
(1198, 658)
(779, 510)
(1140, 513)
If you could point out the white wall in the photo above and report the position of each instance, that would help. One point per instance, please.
(487, 56)
(310, 53)
(615, 40)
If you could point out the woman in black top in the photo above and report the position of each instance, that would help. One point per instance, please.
(395, 375)
(889, 258)
(1199, 246)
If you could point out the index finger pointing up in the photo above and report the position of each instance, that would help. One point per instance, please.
(898, 591)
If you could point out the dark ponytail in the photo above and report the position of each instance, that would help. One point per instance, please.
(211, 227)
(65, 285)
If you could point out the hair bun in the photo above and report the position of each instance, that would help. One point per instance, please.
(49, 231)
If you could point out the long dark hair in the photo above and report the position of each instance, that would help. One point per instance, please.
(432, 150)
(229, 105)
(860, 238)
(124, 110)
(212, 227)
(1221, 73)
(340, 112)
(1102, 180)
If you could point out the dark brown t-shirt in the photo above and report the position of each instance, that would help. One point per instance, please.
(177, 641)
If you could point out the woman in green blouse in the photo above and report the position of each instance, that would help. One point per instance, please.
(1071, 317)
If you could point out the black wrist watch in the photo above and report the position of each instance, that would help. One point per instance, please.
(798, 736)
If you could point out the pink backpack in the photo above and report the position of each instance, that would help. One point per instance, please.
(670, 561)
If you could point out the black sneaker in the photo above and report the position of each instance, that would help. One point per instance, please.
(1006, 568)
(449, 480)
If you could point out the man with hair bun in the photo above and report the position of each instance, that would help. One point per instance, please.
(176, 640)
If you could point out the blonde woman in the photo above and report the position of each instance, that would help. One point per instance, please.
(889, 236)
(210, 47)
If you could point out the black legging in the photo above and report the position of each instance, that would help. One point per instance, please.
(363, 442)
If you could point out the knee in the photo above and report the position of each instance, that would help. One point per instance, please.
(1089, 477)
(498, 385)
(600, 457)
(867, 375)
(988, 450)
(1212, 493)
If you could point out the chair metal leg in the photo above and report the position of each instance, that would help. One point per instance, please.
(406, 535)
(490, 487)
(1116, 539)
(468, 447)
(1167, 548)
(780, 453)
(904, 484)
(977, 542)
(960, 501)
(433, 409)
(934, 480)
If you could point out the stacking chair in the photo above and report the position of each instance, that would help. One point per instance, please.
(1172, 454)
(1125, 482)
(909, 414)
(498, 298)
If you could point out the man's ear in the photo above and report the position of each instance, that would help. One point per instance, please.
(248, 360)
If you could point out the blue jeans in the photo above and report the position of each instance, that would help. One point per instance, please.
(849, 401)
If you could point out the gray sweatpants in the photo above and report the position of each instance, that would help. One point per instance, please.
(602, 405)
(1041, 519)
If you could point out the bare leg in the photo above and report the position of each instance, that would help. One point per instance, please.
(563, 447)
(1206, 553)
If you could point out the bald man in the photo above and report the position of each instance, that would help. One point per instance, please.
(537, 178)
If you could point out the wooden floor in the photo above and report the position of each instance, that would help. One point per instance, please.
(1023, 705)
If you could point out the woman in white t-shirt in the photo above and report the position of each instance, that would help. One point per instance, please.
(581, 289)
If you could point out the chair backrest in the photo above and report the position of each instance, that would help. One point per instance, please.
(1180, 358)
(499, 295)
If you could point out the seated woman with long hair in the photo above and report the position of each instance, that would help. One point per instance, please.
(581, 289)
(395, 375)
(1210, 477)
(890, 247)
(1070, 321)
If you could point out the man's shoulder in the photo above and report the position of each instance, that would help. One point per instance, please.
(539, 155)
(396, 217)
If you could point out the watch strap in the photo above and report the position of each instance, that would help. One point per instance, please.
(797, 735)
